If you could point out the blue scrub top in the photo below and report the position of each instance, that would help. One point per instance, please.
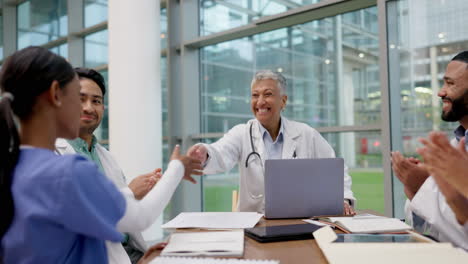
(64, 210)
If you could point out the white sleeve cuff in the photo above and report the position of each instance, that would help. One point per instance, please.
(127, 192)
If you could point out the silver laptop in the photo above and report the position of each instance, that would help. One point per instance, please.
(300, 188)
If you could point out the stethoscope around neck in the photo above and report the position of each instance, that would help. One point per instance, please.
(255, 153)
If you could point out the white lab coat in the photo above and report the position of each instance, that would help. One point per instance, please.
(234, 147)
(115, 251)
(429, 203)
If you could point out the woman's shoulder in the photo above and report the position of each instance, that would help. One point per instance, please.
(38, 162)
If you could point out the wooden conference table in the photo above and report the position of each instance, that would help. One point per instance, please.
(287, 252)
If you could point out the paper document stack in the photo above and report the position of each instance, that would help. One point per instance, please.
(214, 220)
(367, 224)
(223, 243)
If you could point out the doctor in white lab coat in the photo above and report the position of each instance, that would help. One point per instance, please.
(426, 199)
(268, 136)
(440, 202)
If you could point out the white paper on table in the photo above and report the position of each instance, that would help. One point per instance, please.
(310, 221)
(214, 220)
(356, 217)
(221, 243)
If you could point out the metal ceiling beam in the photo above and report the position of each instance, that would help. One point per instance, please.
(296, 16)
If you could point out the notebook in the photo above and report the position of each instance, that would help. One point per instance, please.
(220, 243)
(368, 224)
(181, 260)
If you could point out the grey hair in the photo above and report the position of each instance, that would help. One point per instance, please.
(270, 75)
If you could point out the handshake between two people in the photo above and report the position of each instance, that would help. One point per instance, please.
(142, 184)
(192, 164)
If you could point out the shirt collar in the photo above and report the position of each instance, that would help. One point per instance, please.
(265, 132)
(79, 143)
(460, 132)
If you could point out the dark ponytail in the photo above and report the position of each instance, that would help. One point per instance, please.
(9, 150)
(24, 76)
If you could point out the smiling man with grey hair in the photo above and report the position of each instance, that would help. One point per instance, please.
(268, 136)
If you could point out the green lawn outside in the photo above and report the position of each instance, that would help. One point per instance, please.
(367, 187)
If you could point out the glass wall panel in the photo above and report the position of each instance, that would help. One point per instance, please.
(61, 50)
(166, 152)
(96, 49)
(41, 21)
(165, 121)
(163, 28)
(331, 66)
(222, 15)
(102, 132)
(421, 43)
(333, 80)
(217, 189)
(95, 12)
(363, 157)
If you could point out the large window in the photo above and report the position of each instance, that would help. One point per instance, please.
(61, 50)
(41, 21)
(95, 12)
(217, 16)
(331, 66)
(102, 132)
(96, 49)
(163, 28)
(421, 43)
(363, 156)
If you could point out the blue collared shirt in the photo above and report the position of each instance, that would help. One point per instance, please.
(274, 149)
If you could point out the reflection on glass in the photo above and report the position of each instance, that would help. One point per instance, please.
(163, 28)
(332, 81)
(216, 16)
(421, 43)
(331, 66)
(96, 49)
(362, 154)
(61, 50)
(41, 21)
(95, 12)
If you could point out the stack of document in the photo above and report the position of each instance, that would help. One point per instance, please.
(366, 224)
(214, 220)
(223, 243)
